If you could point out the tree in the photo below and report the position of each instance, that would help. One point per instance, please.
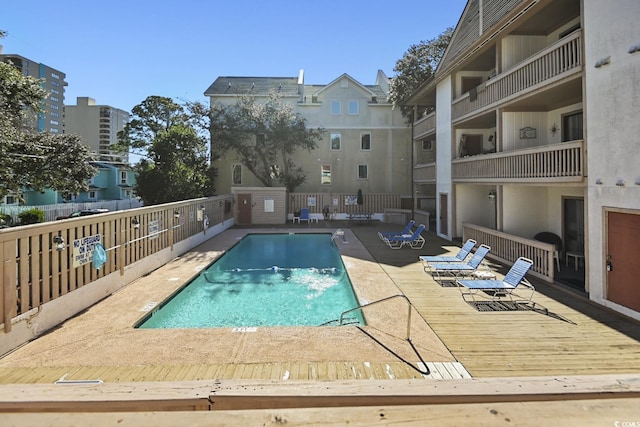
(415, 67)
(264, 135)
(176, 163)
(33, 160)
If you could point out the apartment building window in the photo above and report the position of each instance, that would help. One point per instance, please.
(572, 127)
(363, 172)
(325, 175)
(336, 108)
(10, 200)
(236, 174)
(123, 177)
(55, 75)
(336, 141)
(55, 92)
(354, 108)
(365, 141)
(92, 195)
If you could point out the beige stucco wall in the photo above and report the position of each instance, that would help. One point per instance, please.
(262, 199)
(612, 126)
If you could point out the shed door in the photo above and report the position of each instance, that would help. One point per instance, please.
(623, 235)
(244, 209)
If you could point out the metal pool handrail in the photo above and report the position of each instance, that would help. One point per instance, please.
(384, 300)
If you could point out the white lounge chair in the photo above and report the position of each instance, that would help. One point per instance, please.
(462, 254)
(455, 270)
(514, 279)
(414, 240)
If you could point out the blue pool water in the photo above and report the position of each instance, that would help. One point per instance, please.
(265, 280)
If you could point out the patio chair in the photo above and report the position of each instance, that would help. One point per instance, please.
(406, 230)
(462, 254)
(514, 279)
(304, 215)
(456, 270)
(414, 240)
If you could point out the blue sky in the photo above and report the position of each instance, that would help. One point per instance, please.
(121, 51)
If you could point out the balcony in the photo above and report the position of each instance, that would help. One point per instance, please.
(550, 66)
(424, 173)
(564, 162)
(424, 126)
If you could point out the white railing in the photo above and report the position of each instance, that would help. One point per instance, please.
(424, 126)
(547, 66)
(564, 162)
(507, 248)
(424, 173)
(51, 212)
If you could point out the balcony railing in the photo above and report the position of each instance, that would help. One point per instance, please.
(547, 66)
(424, 173)
(424, 126)
(507, 248)
(563, 162)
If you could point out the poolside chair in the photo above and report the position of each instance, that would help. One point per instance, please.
(406, 230)
(462, 254)
(304, 215)
(514, 279)
(414, 240)
(456, 270)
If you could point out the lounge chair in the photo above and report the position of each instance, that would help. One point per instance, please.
(406, 230)
(414, 240)
(462, 254)
(455, 270)
(500, 288)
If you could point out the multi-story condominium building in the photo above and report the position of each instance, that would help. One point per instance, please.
(532, 128)
(367, 144)
(98, 125)
(51, 118)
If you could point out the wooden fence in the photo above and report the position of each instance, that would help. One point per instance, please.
(344, 203)
(42, 262)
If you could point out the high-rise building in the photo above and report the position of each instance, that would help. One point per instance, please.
(51, 116)
(98, 125)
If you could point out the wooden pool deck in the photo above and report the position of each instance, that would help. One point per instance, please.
(565, 335)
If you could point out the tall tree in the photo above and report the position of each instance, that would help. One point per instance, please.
(264, 135)
(175, 164)
(32, 160)
(415, 67)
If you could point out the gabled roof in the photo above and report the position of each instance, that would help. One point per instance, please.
(335, 82)
(287, 86)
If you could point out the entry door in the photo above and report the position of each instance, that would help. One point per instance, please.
(244, 209)
(623, 234)
(444, 213)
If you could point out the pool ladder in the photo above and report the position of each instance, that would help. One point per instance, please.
(426, 370)
(338, 233)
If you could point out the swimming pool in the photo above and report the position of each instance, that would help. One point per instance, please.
(264, 280)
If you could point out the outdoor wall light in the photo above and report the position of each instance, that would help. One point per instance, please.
(58, 243)
(620, 182)
(554, 128)
(599, 181)
(492, 195)
(135, 223)
(637, 181)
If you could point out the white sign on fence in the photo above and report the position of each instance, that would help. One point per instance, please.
(83, 249)
(154, 229)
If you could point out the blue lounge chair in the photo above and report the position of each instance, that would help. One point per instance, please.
(462, 254)
(406, 230)
(514, 279)
(414, 240)
(455, 270)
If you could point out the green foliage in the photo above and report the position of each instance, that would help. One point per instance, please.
(415, 67)
(176, 165)
(31, 216)
(5, 220)
(264, 135)
(35, 160)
